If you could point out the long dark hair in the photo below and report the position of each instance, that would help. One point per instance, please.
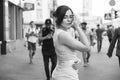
(60, 13)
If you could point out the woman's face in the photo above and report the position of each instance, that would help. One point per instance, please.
(67, 20)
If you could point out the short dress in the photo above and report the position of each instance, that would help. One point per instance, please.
(65, 59)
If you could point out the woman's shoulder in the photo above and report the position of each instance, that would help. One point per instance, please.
(61, 33)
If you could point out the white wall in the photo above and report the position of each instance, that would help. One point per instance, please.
(46, 11)
(39, 14)
(15, 1)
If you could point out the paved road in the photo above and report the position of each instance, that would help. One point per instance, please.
(14, 66)
(101, 67)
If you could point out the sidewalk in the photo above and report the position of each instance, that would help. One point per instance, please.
(15, 65)
(100, 66)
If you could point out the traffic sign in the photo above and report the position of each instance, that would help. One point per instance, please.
(108, 16)
(112, 3)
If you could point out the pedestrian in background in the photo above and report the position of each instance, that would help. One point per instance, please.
(116, 38)
(40, 34)
(66, 45)
(48, 50)
(99, 32)
(110, 32)
(86, 54)
(32, 38)
(92, 37)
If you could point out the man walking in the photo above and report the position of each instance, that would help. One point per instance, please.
(86, 55)
(48, 50)
(99, 32)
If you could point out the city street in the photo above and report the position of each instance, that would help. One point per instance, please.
(15, 65)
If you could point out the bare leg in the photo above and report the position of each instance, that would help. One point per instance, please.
(30, 56)
(84, 58)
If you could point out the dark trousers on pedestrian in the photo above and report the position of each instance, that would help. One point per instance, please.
(99, 44)
(110, 40)
(86, 56)
(46, 59)
(119, 61)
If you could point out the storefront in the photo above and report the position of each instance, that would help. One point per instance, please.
(15, 22)
(11, 23)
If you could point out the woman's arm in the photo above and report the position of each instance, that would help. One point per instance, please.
(66, 39)
(83, 37)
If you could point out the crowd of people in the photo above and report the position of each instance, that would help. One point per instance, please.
(60, 42)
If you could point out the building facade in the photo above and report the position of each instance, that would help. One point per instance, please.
(16, 15)
(37, 11)
(11, 22)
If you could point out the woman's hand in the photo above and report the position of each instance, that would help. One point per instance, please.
(76, 22)
(76, 65)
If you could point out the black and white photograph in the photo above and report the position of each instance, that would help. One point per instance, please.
(60, 40)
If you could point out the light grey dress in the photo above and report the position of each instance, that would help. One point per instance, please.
(65, 59)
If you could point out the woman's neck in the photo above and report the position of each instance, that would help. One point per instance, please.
(63, 28)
